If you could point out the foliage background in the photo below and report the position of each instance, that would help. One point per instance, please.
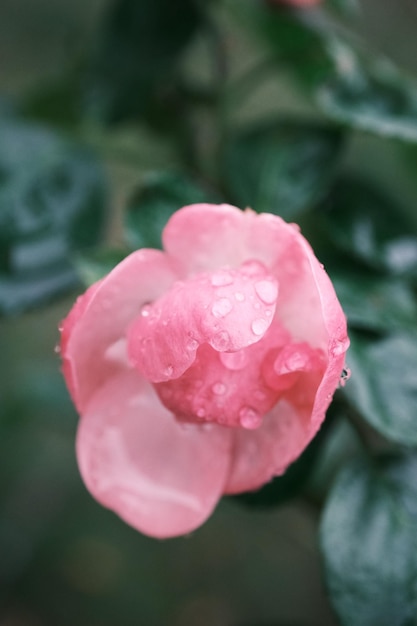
(64, 559)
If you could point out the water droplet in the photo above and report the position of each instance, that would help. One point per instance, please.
(192, 345)
(239, 296)
(57, 349)
(221, 278)
(257, 306)
(219, 389)
(201, 412)
(221, 341)
(61, 327)
(259, 326)
(168, 371)
(344, 377)
(253, 268)
(267, 291)
(249, 418)
(234, 360)
(339, 346)
(221, 307)
(268, 313)
(145, 310)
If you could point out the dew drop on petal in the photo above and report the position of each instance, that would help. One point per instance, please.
(169, 370)
(339, 346)
(234, 360)
(221, 341)
(344, 377)
(239, 296)
(221, 307)
(219, 389)
(249, 418)
(145, 310)
(221, 278)
(57, 349)
(267, 291)
(201, 412)
(192, 344)
(253, 268)
(259, 326)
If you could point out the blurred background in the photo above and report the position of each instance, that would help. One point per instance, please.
(65, 560)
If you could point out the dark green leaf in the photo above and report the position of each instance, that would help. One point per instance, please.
(345, 7)
(369, 542)
(153, 204)
(281, 167)
(138, 52)
(347, 84)
(95, 265)
(366, 223)
(371, 301)
(383, 387)
(52, 200)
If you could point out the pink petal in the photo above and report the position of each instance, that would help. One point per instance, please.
(158, 475)
(261, 454)
(204, 237)
(93, 346)
(227, 387)
(228, 309)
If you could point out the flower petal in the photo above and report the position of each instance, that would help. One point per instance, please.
(261, 454)
(93, 330)
(228, 309)
(160, 476)
(204, 237)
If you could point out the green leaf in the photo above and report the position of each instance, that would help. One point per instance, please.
(137, 55)
(369, 225)
(92, 266)
(282, 167)
(383, 386)
(371, 301)
(52, 201)
(369, 543)
(155, 201)
(346, 82)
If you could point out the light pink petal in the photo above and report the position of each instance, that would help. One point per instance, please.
(204, 237)
(228, 309)
(160, 476)
(260, 455)
(93, 345)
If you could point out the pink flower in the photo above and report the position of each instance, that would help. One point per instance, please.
(202, 370)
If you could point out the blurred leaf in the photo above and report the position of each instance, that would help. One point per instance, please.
(93, 266)
(368, 538)
(368, 224)
(57, 101)
(138, 52)
(52, 201)
(153, 204)
(347, 83)
(282, 167)
(345, 7)
(383, 387)
(371, 301)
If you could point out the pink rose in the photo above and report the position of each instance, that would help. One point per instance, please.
(204, 369)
